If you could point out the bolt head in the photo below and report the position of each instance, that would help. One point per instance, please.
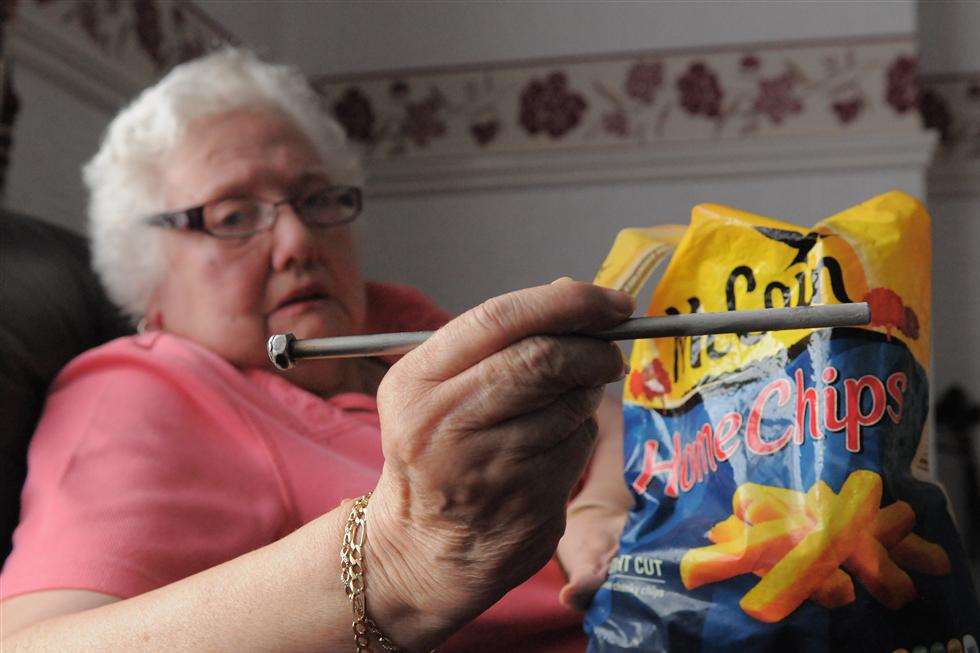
(279, 350)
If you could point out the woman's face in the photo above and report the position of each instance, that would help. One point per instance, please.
(231, 295)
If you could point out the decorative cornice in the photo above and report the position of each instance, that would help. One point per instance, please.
(764, 156)
(639, 115)
(105, 53)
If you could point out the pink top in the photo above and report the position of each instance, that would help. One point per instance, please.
(156, 459)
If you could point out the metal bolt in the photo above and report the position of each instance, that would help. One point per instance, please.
(279, 354)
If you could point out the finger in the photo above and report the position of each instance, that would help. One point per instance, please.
(556, 309)
(529, 375)
(522, 484)
(529, 441)
(577, 593)
(548, 466)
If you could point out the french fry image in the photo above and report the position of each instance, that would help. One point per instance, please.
(793, 500)
(725, 531)
(761, 544)
(892, 523)
(917, 554)
(809, 563)
(800, 545)
(819, 502)
(755, 503)
(835, 591)
(871, 564)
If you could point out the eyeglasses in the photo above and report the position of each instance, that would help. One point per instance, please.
(244, 217)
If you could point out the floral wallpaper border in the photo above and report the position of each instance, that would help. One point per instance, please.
(147, 37)
(836, 87)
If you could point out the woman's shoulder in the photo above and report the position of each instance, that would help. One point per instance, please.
(155, 355)
(149, 396)
(148, 379)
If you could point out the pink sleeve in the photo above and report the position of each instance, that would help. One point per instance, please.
(139, 474)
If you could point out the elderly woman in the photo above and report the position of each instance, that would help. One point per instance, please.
(181, 495)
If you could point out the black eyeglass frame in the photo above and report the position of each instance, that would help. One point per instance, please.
(192, 219)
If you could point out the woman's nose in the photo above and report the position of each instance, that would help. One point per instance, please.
(293, 240)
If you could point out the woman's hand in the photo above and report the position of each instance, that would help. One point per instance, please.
(485, 429)
(590, 542)
(597, 515)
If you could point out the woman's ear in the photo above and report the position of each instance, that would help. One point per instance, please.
(152, 319)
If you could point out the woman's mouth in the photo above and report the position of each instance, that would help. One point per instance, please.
(301, 305)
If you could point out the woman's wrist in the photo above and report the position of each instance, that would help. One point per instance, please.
(399, 595)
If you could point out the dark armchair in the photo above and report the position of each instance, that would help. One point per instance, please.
(52, 308)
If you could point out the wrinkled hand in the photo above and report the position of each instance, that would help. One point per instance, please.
(590, 542)
(486, 427)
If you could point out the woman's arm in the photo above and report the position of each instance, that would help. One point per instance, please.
(485, 429)
(27, 609)
(286, 596)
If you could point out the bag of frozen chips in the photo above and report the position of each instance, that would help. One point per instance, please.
(783, 499)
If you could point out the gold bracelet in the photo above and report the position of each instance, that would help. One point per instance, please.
(352, 576)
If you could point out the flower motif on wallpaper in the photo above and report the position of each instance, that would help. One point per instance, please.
(394, 124)
(632, 104)
(699, 90)
(902, 90)
(117, 27)
(485, 131)
(550, 106)
(353, 111)
(765, 92)
(643, 80)
(616, 122)
(422, 121)
(416, 121)
(749, 63)
(777, 97)
(849, 109)
(635, 99)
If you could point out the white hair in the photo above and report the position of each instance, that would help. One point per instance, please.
(123, 178)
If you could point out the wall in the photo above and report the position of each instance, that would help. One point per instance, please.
(365, 36)
(74, 66)
(54, 134)
(464, 248)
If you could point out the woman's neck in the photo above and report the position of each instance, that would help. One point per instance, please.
(328, 378)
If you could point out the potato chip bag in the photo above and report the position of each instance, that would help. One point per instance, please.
(781, 479)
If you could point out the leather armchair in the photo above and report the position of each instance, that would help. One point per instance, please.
(52, 308)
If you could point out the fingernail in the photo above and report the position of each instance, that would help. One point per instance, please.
(561, 280)
(622, 301)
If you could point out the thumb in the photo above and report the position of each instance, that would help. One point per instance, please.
(563, 307)
(581, 587)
